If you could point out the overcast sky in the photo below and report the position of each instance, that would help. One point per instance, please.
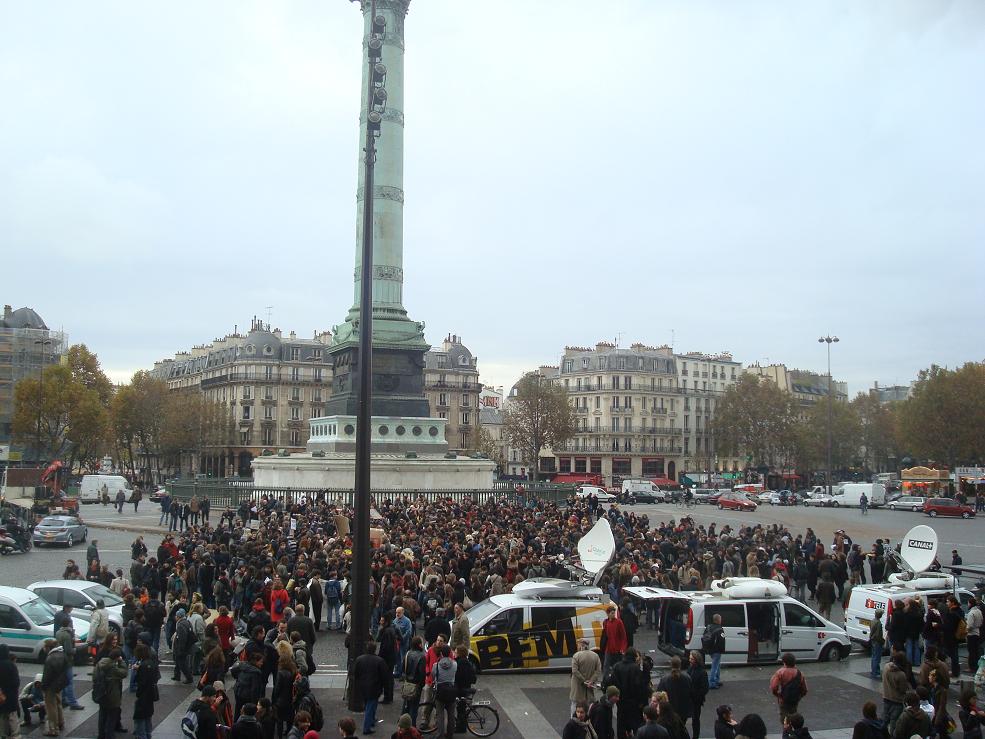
(741, 176)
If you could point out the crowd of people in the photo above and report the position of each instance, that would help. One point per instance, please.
(240, 603)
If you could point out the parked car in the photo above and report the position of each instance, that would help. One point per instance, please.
(60, 529)
(603, 496)
(935, 507)
(736, 502)
(82, 596)
(782, 497)
(647, 496)
(908, 503)
(704, 495)
(157, 495)
(822, 500)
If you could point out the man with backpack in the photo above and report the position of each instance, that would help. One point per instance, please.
(201, 719)
(713, 644)
(249, 687)
(304, 700)
(107, 691)
(333, 602)
(789, 686)
(182, 647)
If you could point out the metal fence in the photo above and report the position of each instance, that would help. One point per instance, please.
(232, 493)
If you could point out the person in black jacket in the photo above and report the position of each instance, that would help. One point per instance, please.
(204, 711)
(677, 686)
(950, 620)
(725, 724)
(699, 690)
(464, 680)
(10, 684)
(389, 652)
(600, 713)
(147, 675)
(369, 676)
(627, 675)
(249, 686)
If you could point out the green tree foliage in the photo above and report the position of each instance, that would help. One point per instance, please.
(878, 432)
(71, 406)
(487, 445)
(758, 419)
(846, 437)
(537, 416)
(944, 418)
(138, 412)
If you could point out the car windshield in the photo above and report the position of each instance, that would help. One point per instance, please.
(53, 521)
(39, 612)
(108, 597)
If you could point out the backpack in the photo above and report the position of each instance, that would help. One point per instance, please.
(99, 685)
(790, 692)
(332, 590)
(713, 641)
(189, 725)
(309, 703)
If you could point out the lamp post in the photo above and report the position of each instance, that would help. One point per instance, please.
(829, 340)
(375, 107)
(43, 343)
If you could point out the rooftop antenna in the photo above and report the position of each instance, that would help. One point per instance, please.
(618, 337)
(270, 310)
(672, 341)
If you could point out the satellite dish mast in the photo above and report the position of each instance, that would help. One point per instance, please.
(595, 550)
(919, 548)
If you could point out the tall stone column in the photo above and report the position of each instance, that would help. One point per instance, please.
(398, 341)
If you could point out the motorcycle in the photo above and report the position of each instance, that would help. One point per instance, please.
(14, 539)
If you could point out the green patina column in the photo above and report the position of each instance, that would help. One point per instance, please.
(398, 341)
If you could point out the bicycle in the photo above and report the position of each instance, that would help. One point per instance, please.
(481, 719)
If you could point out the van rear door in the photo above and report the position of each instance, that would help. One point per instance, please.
(672, 615)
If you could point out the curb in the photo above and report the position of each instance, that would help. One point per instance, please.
(126, 527)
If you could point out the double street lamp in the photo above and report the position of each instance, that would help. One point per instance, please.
(829, 340)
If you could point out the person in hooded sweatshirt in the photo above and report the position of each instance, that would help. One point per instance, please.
(913, 720)
(445, 692)
(247, 726)
(870, 727)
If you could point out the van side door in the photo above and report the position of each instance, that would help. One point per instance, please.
(552, 633)
(799, 633)
(736, 630)
(499, 644)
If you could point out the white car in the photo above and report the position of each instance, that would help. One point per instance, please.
(603, 497)
(821, 499)
(908, 503)
(82, 596)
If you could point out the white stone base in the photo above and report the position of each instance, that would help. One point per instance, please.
(388, 472)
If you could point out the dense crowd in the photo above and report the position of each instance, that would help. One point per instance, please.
(247, 596)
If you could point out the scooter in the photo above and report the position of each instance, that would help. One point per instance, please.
(14, 541)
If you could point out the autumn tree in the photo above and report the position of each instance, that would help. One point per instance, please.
(757, 419)
(66, 413)
(878, 431)
(942, 420)
(812, 436)
(488, 446)
(537, 416)
(138, 412)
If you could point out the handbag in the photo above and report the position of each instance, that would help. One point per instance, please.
(409, 690)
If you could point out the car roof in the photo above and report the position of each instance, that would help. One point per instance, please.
(66, 584)
(20, 596)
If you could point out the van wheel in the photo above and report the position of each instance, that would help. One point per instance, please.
(933, 514)
(835, 504)
(831, 653)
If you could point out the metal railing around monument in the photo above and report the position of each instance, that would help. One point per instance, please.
(222, 493)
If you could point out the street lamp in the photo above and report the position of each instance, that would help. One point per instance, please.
(829, 340)
(43, 343)
(375, 108)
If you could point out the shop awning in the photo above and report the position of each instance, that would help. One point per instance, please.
(662, 481)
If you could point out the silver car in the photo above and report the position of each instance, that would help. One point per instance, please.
(82, 596)
(62, 529)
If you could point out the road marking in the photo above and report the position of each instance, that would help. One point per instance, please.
(527, 718)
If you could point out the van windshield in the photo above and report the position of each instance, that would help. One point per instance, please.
(481, 611)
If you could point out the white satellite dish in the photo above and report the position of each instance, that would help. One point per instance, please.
(596, 549)
(919, 547)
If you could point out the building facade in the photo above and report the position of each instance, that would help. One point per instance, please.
(703, 380)
(891, 393)
(26, 344)
(271, 383)
(809, 388)
(452, 387)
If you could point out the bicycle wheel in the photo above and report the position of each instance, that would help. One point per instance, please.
(427, 718)
(482, 720)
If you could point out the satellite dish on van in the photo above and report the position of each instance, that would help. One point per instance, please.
(919, 548)
(596, 549)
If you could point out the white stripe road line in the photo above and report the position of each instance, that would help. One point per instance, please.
(527, 718)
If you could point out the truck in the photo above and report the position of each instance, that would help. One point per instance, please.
(849, 494)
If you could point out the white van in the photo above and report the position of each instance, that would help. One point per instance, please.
(760, 620)
(865, 600)
(537, 626)
(642, 490)
(27, 620)
(91, 490)
(849, 494)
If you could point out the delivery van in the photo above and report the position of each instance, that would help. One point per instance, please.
(91, 490)
(849, 494)
(760, 620)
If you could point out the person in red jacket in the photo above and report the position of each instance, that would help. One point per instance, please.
(226, 629)
(431, 657)
(614, 639)
(279, 600)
